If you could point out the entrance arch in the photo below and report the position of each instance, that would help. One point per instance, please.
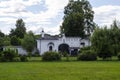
(63, 48)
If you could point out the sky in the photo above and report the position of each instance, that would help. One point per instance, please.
(48, 14)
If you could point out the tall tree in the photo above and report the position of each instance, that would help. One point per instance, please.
(78, 18)
(115, 24)
(20, 29)
(115, 35)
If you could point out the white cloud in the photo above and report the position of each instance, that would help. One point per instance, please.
(48, 30)
(11, 10)
(104, 15)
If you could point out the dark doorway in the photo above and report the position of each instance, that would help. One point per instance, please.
(50, 48)
(63, 48)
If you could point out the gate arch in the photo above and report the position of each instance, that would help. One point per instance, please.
(63, 48)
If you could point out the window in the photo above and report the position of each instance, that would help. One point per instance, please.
(50, 46)
(83, 44)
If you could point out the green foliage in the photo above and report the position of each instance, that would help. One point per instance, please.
(23, 58)
(2, 34)
(115, 24)
(78, 18)
(51, 56)
(36, 54)
(8, 55)
(106, 42)
(15, 41)
(20, 29)
(87, 55)
(65, 54)
(29, 43)
(7, 41)
(85, 48)
(1, 42)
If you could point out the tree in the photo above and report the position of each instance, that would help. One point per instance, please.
(106, 42)
(7, 41)
(78, 18)
(2, 34)
(115, 34)
(101, 43)
(1, 44)
(20, 29)
(1, 40)
(15, 41)
(29, 42)
(115, 24)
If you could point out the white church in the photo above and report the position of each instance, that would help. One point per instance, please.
(61, 43)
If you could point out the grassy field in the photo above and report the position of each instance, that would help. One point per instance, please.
(74, 70)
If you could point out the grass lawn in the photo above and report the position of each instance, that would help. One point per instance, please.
(74, 70)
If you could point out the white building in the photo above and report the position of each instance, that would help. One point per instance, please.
(60, 44)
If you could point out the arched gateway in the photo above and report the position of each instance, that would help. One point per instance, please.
(63, 48)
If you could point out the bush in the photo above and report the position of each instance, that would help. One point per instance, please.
(51, 56)
(36, 54)
(23, 58)
(8, 55)
(85, 48)
(87, 55)
(105, 55)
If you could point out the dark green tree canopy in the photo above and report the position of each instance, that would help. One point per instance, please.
(15, 41)
(20, 29)
(78, 18)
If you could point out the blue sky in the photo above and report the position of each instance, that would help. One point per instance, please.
(48, 14)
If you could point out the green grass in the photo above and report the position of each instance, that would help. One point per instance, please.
(74, 70)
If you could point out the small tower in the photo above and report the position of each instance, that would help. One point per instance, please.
(42, 34)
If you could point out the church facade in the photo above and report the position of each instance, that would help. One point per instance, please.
(61, 43)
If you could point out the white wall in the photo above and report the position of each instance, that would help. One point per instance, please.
(42, 45)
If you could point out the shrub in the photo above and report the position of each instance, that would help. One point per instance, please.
(105, 55)
(23, 58)
(36, 54)
(8, 55)
(87, 55)
(51, 56)
(84, 48)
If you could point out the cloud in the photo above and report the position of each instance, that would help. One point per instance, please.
(104, 15)
(11, 10)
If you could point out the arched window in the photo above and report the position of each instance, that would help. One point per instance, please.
(51, 46)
